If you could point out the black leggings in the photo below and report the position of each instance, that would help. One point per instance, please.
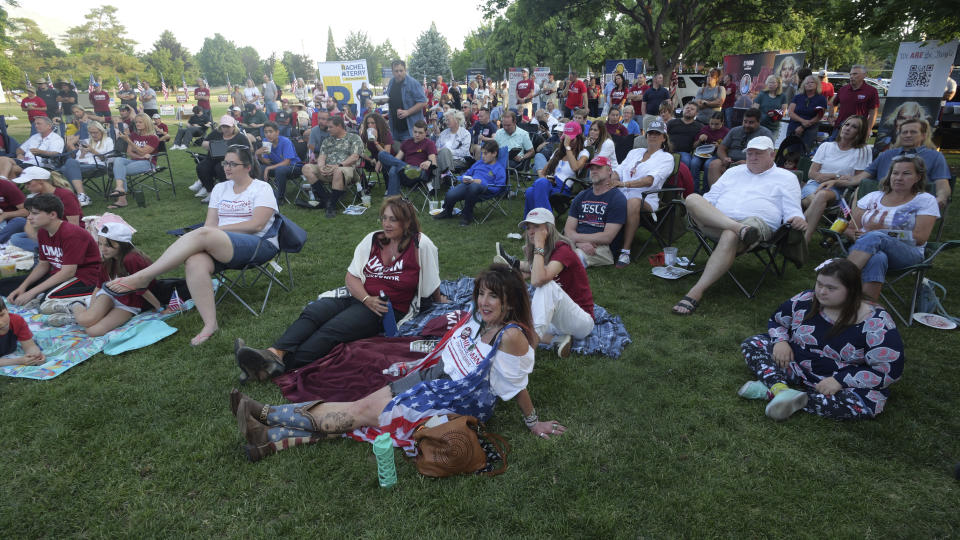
(210, 172)
(324, 324)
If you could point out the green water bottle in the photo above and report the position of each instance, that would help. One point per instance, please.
(386, 468)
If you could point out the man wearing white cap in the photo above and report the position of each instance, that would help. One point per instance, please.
(746, 205)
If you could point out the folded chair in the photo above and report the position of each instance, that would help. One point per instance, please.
(786, 244)
(291, 239)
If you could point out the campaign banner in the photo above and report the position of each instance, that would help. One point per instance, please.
(750, 71)
(514, 75)
(629, 68)
(343, 79)
(786, 66)
(473, 72)
(898, 109)
(922, 70)
(385, 73)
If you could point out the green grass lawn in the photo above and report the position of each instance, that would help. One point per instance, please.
(658, 443)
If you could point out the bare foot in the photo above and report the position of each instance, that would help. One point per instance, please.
(203, 336)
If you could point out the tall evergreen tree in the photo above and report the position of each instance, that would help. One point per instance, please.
(431, 55)
(331, 47)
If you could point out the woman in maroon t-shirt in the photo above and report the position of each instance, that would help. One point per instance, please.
(400, 261)
(376, 136)
(120, 258)
(562, 300)
(142, 142)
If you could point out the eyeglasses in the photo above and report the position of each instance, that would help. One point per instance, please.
(231, 164)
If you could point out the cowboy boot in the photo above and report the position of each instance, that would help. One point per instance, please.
(263, 441)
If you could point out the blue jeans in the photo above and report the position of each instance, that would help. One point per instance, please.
(888, 253)
(73, 169)
(728, 117)
(470, 194)
(22, 241)
(123, 166)
(271, 106)
(538, 195)
(696, 166)
(11, 227)
(395, 169)
(280, 175)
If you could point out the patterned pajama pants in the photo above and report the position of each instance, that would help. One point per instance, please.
(844, 405)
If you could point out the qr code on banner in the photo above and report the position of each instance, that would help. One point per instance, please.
(919, 76)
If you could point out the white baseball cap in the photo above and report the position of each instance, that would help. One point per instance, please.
(32, 173)
(116, 231)
(760, 143)
(538, 216)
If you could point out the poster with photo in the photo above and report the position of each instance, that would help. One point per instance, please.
(343, 79)
(749, 71)
(630, 68)
(906, 108)
(786, 67)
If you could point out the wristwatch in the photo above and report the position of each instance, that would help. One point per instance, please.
(539, 251)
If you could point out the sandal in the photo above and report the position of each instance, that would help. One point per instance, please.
(116, 193)
(118, 293)
(687, 303)
(116, 206)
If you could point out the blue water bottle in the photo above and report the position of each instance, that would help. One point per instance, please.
(389, 320)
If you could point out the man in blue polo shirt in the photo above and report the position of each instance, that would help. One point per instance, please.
(280, 159)
(911, 140)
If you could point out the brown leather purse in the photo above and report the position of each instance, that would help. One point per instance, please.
(454, 448)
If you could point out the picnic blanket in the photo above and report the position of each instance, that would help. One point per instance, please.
(68, 346)
(608, 338)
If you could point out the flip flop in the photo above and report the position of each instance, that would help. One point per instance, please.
(686, 303)
(116, 293)
(116, 206)
(116, 193)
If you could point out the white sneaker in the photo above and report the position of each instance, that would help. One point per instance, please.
(563, 345)
(205, 199)
(202, 193)
(623, 260)
(194, 187)
(84, 199)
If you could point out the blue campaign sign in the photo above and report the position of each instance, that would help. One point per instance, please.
(630, 68)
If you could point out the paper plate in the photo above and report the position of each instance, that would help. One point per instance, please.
(670, 272)
(934, 321)
(705, 151)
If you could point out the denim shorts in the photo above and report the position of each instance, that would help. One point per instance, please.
(811, 186)
(249, 249)
(407, 382)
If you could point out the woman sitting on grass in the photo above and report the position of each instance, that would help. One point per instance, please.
(120, 258)
(489, 354)
(562, 301)
(398, 261)
(842, 351)
(241, 212)
(14, 329)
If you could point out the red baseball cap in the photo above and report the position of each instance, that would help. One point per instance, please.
(600, 161)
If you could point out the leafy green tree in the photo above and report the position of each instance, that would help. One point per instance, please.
(32, 51)
(901, 19)
(300, 65)
(431, 55)
(219, 57)
(101, 31)
(6, 24)
(331, 46)
(252, 65)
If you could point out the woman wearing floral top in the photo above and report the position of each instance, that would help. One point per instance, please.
(841, 351)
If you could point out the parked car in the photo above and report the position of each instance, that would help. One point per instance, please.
(687, 86)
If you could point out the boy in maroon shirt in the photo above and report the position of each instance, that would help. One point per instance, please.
(202, 94)
(101, 103)
(14, 329)
(69, 262)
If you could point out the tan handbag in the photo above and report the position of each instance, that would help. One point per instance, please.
(454, 448)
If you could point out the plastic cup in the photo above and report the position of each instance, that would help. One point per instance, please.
(268, 145)
(8, 267)
(140, 198)
(434, 205)
(365, 200)
(669, 256)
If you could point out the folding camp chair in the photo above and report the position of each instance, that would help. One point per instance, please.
(495, 202)
(155, 176)
(622, 144)
(10, 144)
(419, 186)
(772, 254)
(272, 270)
(667, 224)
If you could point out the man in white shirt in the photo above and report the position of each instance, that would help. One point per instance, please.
(746, 205)
(453, 145)
(42, 144)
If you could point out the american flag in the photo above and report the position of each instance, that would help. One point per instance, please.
(163, 87)
(229, 86)
(175, 303)
(844, 207)
(183, 79)
(90, 84)
(72, 84)
(293, 82)
(470, 395)
(119, 85)
(139, 85)
(27, 77)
